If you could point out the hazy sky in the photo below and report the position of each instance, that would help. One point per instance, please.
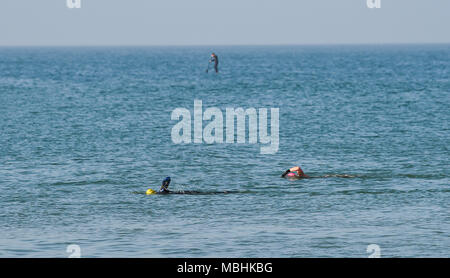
(224, 22)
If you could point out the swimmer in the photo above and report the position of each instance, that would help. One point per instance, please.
(165, 190)
(295, 172)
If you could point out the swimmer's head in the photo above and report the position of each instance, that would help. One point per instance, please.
(294, 169)
(298, 170)
(295, 172)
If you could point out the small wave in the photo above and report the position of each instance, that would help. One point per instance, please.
(384, 191)
(375, 176)
(344, 176)
(79, 183)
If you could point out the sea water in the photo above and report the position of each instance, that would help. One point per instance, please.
(84, 132)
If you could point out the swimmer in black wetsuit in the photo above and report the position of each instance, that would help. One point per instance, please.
(215, 59)
(165, 190)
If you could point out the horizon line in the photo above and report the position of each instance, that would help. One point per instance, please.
(226, 45)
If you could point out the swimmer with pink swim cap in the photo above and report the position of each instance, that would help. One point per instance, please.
(294, 172)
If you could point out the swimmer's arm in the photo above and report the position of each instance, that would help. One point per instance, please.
(285, 173)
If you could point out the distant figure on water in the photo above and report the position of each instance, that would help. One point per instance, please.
(215, 59)
(295, 172)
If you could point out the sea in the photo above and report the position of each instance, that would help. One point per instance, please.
(85, 131)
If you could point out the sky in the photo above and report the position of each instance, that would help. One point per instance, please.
(222, 22)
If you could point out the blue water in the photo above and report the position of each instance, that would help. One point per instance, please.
(86, 131)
